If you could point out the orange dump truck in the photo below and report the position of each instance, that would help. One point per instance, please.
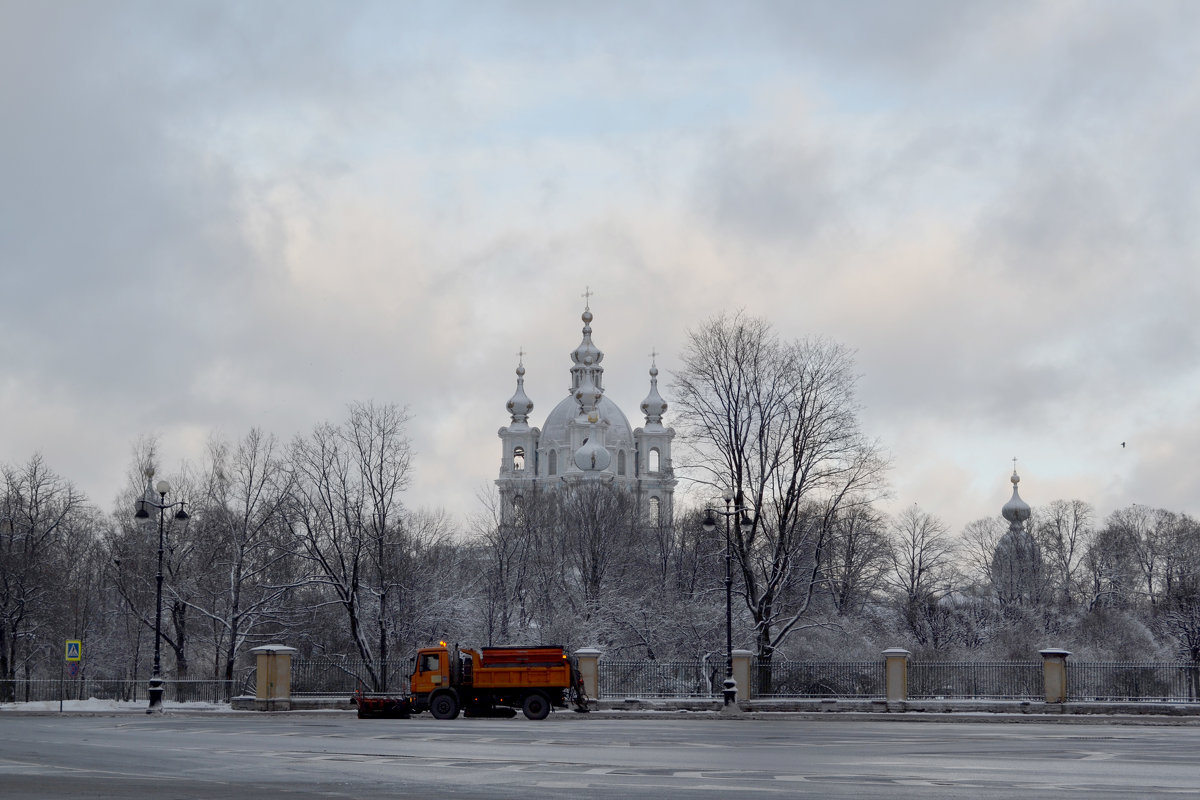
(496, 681)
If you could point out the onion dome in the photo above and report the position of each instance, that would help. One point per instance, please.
(586, 359)
(1017, 560)
(520, 405)
(592, 456)
(588, 396)
(587, 354)
(1015, 510)
(654, 406)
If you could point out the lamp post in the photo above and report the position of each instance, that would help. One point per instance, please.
(141, 511)
(710, 524)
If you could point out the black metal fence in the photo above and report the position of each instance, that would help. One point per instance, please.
(174, 691)
(323, 677)
(1086, 681)
(1133, 680)
(660, 678)
(984, 680)
(817, 679)
(990, 680)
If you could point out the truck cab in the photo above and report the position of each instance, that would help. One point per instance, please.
(435, 668)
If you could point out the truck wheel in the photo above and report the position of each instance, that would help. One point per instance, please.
(444, 706)
(536, 706)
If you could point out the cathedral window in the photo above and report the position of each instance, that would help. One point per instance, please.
(518, 458)
(655, 511)
(652, 460)
(553, 459)
(621, 463)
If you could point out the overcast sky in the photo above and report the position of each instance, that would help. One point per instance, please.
(218, 216)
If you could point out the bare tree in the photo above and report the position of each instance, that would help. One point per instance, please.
(922, 573)
(775, 426)
(239, 518)
(1179, 611)
(430, 592)
(978, 548)
(1064, 531)
(1141, 526)
(324, 519)
(856, 558)
(346, 518)
(502, 563)
(599, 525)
(40, 514)
(1112, 567)
(379, 441)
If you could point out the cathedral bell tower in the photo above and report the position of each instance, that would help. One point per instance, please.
(656, 476)
(518, 464)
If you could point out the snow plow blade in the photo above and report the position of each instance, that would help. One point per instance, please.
(382, 707)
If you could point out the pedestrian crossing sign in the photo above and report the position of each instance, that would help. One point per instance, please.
(74, 650)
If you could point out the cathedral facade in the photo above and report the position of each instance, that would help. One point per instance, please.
(586, 437)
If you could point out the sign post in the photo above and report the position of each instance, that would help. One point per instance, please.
(72, 657)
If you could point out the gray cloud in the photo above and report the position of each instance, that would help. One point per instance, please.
(215, 216)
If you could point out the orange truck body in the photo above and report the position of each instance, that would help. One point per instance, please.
(496, 681)
(519, 667)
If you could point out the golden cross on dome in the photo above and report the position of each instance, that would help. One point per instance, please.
(587, 297)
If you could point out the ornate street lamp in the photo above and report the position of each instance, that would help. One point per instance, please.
(746, 523)
(142, 508)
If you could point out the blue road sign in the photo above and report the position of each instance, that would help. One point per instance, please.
(74, 650)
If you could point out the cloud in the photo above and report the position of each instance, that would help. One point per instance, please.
(218, 216)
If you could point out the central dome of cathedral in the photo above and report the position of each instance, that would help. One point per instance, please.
(618, 437)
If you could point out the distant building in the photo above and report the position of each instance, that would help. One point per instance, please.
(586, 437)
(1017, 559)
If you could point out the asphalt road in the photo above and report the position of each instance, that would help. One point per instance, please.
(335, 755)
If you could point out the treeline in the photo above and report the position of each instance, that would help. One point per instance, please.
(312, 544)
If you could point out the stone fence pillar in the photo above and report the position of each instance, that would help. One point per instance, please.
(1054, 672)
(589, 670)
(896, 674)
(741, 673)
(273, 677)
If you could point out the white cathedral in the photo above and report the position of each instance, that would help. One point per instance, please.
(587, 438)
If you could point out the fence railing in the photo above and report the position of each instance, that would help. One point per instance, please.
(659, 678)
(175, 691)
(817, 679)
(1134, 680)
(1086, 681)
(336, 676)
(991, 680)
(926, 680)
